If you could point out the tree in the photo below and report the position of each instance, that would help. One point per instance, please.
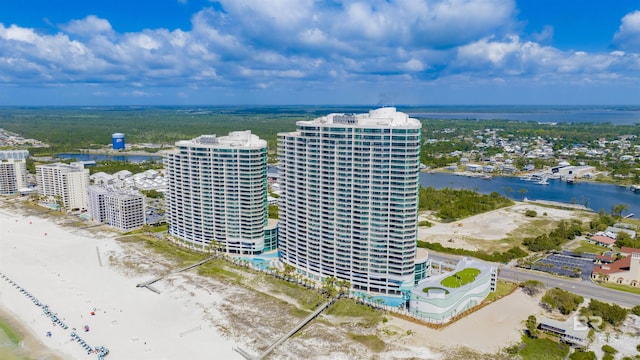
(532, 287)
(532, 326)
(522, 192)
(329, 286)
(616, 210)
(564, 301)
(611, 313)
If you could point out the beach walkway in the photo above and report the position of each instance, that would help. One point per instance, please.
(284, 337)
(147, 284)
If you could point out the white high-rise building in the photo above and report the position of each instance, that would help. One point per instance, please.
(117, 209)
(95, 203)
(124, 211)
(349, 199)
(217, 190)
(69, 182)
(13, 171)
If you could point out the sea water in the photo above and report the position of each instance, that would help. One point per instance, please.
(9, 350)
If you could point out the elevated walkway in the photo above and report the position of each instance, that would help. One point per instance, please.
(147, 284)
(284, 337)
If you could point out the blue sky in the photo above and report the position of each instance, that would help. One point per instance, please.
(370, 52)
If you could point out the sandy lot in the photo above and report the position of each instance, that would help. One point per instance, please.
(488, 330)
(490, 226)
(76, 271)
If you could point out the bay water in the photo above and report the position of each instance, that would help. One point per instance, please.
(593, 195)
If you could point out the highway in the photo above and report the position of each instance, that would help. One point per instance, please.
(581, 287)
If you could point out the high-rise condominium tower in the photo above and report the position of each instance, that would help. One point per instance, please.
(217, 191)
(13, 171)
(349, 198)
(68, 182)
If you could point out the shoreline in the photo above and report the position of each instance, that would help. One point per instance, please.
(29, 347)
(60, 267)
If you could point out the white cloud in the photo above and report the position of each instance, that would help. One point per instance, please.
(18, 34)
(414, 65)
(89, 26)
(278, 43)
(628, 35)
(545, 35)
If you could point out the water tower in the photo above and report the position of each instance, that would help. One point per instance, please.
(117, 140)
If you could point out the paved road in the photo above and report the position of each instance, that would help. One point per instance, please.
(581, 287)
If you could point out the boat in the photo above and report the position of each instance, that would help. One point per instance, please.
(635, 188)
(487, 177)
(571, 180)
(542, 182)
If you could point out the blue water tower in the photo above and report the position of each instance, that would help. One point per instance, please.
(117, 140)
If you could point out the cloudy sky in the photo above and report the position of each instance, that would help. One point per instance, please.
(410, 52)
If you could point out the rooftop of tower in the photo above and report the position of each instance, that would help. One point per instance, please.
(235, 139)
(386, 116)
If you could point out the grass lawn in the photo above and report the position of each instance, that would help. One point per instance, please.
(626, 288)
(460, 278)
(587, 247)
(542, 349)
(503, 288)
(427, 289)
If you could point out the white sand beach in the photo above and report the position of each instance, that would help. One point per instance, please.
(62, 268)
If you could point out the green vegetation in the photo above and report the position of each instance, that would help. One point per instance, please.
(450, 205)
(610, 313)
(152, 194)
(427, 289)
(621, 287)
(608, 349)
(367, 316)
(636, 311)
(532, 287)
(552, 241)
(373, 342)
(532, 326)
(588, 248)
(461, 278)
(564, 301)
(503, 257)
(539, 349)
(530, 213)
(426, 223)
(582, 355)
(272, 211)
(503, 288)
(12, 334)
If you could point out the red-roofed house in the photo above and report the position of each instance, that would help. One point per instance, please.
(602, 240)
(624, 271)
(628, 251)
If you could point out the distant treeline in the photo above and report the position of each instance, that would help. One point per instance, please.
(68, 129)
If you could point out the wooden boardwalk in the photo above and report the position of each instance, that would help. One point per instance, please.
(147, 284)
(284, 337)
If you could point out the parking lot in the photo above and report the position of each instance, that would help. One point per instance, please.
(567, 264)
